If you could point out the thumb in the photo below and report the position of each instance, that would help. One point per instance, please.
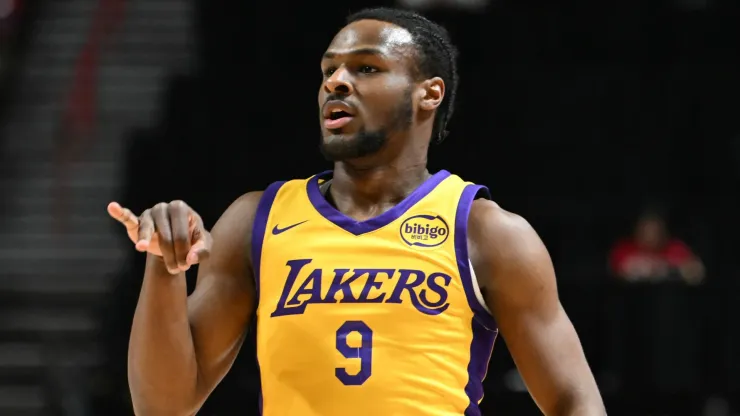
(199, 251)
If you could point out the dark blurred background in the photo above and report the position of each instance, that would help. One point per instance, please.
(583, 118)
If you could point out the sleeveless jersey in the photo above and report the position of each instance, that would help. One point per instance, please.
(381, 317)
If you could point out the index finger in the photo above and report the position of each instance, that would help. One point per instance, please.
(123, 215)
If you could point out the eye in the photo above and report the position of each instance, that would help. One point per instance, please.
(329, 71)
(367, 69)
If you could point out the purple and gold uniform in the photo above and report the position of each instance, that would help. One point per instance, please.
(380, 317)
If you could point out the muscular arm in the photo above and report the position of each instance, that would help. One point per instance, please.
(181, 347)
(518, 283)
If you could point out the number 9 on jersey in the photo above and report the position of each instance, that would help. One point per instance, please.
(364, 353)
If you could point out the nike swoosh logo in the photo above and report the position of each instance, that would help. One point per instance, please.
(277, 230)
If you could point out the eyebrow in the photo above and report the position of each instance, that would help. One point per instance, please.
(360, 51)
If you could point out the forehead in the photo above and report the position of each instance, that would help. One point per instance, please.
(386, 37)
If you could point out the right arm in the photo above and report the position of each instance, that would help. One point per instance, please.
(182, 346)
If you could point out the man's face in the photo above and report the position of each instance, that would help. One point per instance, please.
(651, 233)
(367, 90)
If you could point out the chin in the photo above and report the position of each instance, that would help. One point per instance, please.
(337, 135)
(346, 146)
(338, 147)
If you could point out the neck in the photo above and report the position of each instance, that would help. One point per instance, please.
(376, 185)
(371, 185)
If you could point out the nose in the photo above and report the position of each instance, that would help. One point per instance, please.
(339, 83)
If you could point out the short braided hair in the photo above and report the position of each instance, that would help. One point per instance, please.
(437, 55)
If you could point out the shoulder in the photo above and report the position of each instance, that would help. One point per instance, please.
(493, 227)
(624, 244)
(233, 230)
(503, 245)
(242, 211)
(623, 247)
(678, 248)
(251, 209)
(486, 213)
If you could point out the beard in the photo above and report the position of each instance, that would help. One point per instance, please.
(338, 147)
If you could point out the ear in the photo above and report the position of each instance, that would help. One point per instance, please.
(431, 93)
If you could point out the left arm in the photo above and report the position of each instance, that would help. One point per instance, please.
(517, 279)
(691, 268)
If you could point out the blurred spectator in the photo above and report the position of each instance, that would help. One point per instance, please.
(657, 317)
(651, 254)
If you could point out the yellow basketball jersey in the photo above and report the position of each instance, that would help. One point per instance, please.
(380, 317)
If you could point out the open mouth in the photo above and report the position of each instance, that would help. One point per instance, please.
(338, 119)
(337, 114)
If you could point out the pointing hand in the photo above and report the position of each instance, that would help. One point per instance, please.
(173, 231)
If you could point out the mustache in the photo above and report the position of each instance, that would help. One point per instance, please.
(336, 97)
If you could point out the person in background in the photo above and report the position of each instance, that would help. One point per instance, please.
(651, 254)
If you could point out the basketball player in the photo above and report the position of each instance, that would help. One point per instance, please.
(379, 288)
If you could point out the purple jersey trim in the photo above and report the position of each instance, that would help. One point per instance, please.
(461, 252)
(362, 227)
(480, 355)
(258, 237)
(260, 227)
(483, 325)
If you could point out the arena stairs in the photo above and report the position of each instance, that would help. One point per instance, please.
(57, 259)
